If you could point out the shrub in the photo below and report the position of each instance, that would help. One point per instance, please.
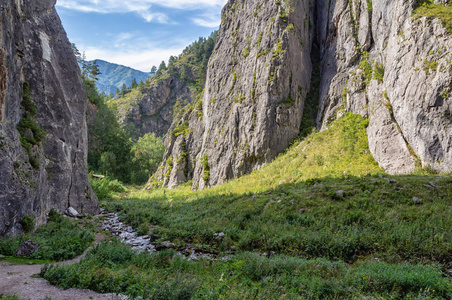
(182, 129)
(105, 187)
(28, 223)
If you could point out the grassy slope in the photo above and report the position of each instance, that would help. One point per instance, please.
(373, 241)
(440, 11)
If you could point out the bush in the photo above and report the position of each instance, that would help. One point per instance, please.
(105, 187)
(28, 223)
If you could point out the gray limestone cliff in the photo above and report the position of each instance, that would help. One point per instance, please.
(377, 59)
(257, 80)
(150, 109)
(381, 61)
(43, 135)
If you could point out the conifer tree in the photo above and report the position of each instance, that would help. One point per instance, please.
(134, 83)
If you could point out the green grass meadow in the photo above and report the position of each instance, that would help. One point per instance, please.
(322, 221)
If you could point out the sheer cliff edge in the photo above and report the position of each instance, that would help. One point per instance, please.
(43, 133)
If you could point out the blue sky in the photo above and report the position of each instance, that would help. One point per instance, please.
(137, 33)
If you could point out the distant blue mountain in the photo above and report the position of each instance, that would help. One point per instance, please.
(114, 76)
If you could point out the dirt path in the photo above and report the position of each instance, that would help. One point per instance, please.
(17, 280)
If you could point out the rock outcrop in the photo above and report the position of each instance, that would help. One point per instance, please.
(380, 61)
(152, 106)
(253, 100)
(150, 109)
(43, 136)
(377, 59)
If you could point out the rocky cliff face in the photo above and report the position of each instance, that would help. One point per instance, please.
(380, 61)
(376, 59)
(43, 137)
(151, 108)
(152, 105)
(257, 80)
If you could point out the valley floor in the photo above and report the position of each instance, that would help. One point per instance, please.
(320, 222)
(23, 281)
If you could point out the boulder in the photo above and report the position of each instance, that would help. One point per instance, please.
(26, 249)
(71, 212)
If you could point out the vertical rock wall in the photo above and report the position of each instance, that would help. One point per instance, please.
(258, 78)
(382, 62)
(376, 59)
(40, 171)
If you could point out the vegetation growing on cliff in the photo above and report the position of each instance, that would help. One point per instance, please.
(189, 68)
(30, 133)
(440, 11)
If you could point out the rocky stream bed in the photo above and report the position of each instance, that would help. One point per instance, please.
(113, 224)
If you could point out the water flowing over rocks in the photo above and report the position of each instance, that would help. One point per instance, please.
(113, 224)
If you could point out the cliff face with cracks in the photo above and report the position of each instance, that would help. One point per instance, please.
(151, 110)
(257, 80)
(43, 136)
(377, 59)
(381, 61)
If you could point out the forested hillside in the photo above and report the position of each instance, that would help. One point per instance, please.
(153, 104)
(111, 150)
(114, 77)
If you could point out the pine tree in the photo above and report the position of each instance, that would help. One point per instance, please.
(153, 70)
(141, 86)
(134, 83)
(77, 53)
(171, 61)
(86, 66)
(94, 72)
(162, 68)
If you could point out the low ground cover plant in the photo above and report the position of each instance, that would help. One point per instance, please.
(59, 239)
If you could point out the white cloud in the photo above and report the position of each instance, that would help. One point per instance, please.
(142, 7)
(209, 21)
(139, 59)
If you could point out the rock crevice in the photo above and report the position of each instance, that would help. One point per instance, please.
(377, 59)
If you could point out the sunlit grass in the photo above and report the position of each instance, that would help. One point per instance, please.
(322, 221)
(440, 11)
(337, 152)
(324, 197)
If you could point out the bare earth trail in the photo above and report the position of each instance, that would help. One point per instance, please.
(17, 280)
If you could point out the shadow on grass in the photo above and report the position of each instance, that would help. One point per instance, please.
(347, 218)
